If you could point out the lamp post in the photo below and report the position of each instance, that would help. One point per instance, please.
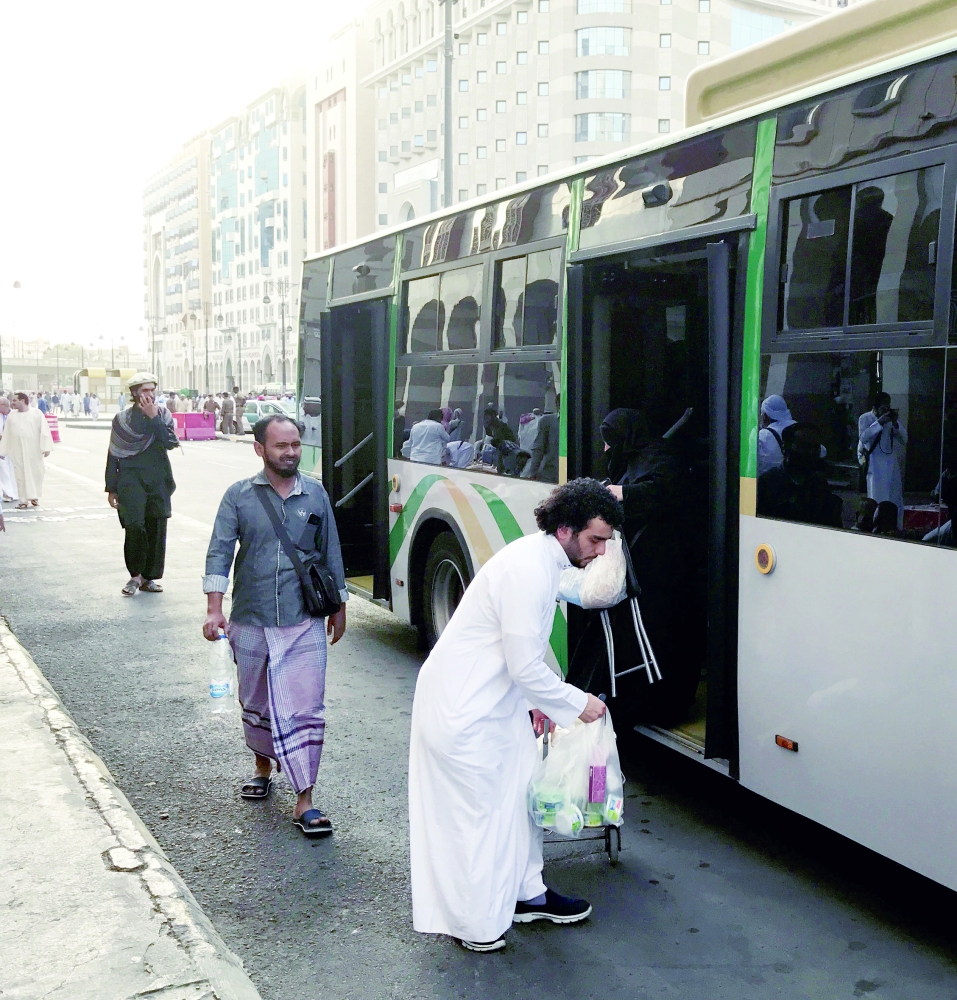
(16, 284)
(206, 326)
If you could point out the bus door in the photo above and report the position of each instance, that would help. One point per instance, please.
(650, 331)
(354, 365)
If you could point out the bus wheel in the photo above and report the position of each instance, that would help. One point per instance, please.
(444, 581)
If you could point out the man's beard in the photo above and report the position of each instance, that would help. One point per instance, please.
(285, 471)
(574, 552)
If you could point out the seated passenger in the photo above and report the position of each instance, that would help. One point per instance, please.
(865, 516)
(428, 440)
(885, 520)
(797, 490)
(502, 439)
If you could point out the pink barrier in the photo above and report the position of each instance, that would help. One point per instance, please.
(53, 423)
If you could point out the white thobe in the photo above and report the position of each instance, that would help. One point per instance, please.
(884, 479)
(427, 442)
(474, 850)
(25, 437)
(8, 480)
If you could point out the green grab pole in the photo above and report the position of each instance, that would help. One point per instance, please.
(571, 245)
(396, 306)
(754, 296)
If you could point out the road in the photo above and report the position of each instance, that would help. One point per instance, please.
(718, 894)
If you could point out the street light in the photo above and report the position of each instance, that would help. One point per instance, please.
(16, 284)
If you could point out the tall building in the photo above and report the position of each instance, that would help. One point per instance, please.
(258, 181)
(538, 85)
(177, 270)
(339, 149)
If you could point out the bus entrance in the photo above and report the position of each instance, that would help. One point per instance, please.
(354, 365)
(649, 332)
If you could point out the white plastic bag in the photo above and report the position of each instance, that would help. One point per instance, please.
(601, 584)
(579, 784)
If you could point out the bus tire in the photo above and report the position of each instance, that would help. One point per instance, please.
(444, 581)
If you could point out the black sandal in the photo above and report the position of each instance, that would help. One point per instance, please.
(256, 788)
(313, 823)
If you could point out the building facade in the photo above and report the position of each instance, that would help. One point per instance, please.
(340, 150)
(538, 85)
(177, 269)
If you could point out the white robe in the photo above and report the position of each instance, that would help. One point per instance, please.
(8, 480)
(884, 478)
(25, 437)
(474, 850)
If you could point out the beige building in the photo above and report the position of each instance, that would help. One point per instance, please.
(340, 158)
(177, 271)
(538, 85)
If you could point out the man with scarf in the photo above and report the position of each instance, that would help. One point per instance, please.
(139, 481)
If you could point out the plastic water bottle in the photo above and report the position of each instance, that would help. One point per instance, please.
(222, 677)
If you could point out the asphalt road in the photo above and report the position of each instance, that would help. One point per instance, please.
(718, 894)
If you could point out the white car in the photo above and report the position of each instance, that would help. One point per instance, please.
(256, 409)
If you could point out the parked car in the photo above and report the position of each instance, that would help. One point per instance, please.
(256, 409)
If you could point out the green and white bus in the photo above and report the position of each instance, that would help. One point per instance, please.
(796, 240)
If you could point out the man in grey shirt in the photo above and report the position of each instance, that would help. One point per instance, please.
(280, 651)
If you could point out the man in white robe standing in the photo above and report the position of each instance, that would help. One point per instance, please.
(476, 856)
(27, 440)
(8, 481)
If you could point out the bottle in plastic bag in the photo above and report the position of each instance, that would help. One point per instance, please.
(222, 677)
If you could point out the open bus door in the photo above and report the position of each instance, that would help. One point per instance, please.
(651, 330)
(356, 415)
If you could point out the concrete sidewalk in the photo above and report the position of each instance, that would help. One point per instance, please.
(90, 907)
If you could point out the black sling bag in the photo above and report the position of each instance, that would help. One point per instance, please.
(319, 591)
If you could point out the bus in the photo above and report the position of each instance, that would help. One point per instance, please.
(795, 241)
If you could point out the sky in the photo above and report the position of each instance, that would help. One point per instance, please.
(98, 97)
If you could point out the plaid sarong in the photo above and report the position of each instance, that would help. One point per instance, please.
(282, 680)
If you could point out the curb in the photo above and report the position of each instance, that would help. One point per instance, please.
(135, 850)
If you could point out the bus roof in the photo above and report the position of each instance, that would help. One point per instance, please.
(762, 79)
(849, 41)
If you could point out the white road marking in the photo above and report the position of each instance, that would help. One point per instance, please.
(74, 475)
(75, 451)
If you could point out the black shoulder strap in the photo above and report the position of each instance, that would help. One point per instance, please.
(284, 540)
(777, 437)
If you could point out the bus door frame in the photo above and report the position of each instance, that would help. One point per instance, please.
(725, 350)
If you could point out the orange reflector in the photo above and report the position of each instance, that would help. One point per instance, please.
(764, 559)
(396, 508)
(783, 741)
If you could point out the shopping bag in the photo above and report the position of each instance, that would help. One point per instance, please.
(579, 783)
(601, 584)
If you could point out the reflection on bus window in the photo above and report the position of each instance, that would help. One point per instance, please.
(893, 253)
(526, 300)
(422, 314)
(853, 440)
(443, 311)
(497, 418)
(311, 426)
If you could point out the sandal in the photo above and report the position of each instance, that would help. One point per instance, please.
(152, 587)
(23, 506)
(34, 503)
(130, 589)
(256, 788)
(313, 823)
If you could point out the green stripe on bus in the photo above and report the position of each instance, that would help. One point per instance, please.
(504, 518)
(409, 509)
(558, 640)
(753, 310)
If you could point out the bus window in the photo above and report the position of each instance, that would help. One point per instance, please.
(421, 315)
(853, 440)
(890, 256)
(460, 309)
(363, 269)
(526, 300)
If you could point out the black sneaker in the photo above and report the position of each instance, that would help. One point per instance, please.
(559, 909)
(483, 945)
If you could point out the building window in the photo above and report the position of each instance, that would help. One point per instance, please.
(419, 72)
(463, 194)
(500, 107)
(419, 140)
(499, 145)
(383, 188)
(463, 159)
(664, 83)
(499, 183)
(406, 146)
(603, 126)
(481, 189)
(430, 135)
(543, 90)
(521, 97)
(383, 220)
(521, 58)
(430, 65)
(481, 114)
(542, 169)
(481, 152)
(604, 6)
(543, 6)
(285, 180)
(704, 48)
(543, 48)
(406, 112)
(501, 28)
(431, 100)
(383, 123)
(543, 131)
(463, 48)
(704, 6)
(406, 79)
(665, 3)
(521, 17)
(664, 124)
(481, 76)
(664, 41)
(463, 121)
(521, 138)
(606, 83)
(393, 151)
(463, 85)
(383, 92)
(418, 107)
(394, 117)
(500, 67)
(481, 38)
(604, 41)
(521, 177)
(382, 156)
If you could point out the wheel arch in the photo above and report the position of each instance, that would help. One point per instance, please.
(432, 523)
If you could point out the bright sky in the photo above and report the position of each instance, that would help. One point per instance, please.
(98, 96)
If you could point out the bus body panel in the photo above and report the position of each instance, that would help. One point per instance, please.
(858, 669)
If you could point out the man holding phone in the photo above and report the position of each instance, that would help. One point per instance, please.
(881, 447)
(139, 481)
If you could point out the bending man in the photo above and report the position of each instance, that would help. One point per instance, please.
(476, 857)
(140, 484)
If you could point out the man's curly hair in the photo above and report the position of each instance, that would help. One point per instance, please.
(575, 504)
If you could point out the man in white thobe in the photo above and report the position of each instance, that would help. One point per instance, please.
(429, 440)
(27, 440)
(476, 856)
(882, 440)
(8, 481)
